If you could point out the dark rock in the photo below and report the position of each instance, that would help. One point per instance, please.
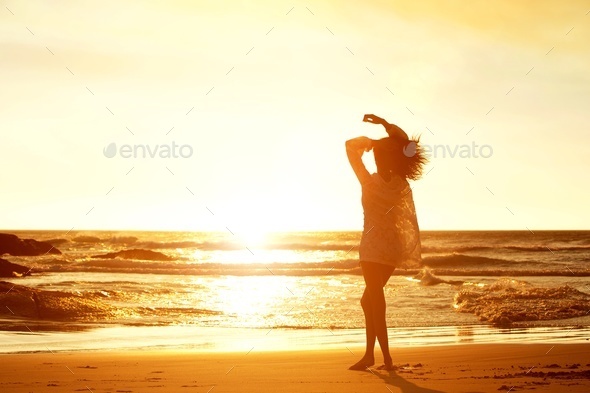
(57, 242)
(136, 253)
(9, 269)
(13, 245)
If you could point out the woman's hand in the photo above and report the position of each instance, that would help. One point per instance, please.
(392, 130)
(374, 119)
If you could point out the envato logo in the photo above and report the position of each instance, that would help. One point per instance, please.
(148, 151)
(442, 151)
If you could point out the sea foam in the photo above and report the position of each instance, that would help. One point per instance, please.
(508, 301)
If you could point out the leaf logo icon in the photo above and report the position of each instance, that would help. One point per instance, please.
(410, 149)
(110, 151)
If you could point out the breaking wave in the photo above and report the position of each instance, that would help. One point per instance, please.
(509, 301)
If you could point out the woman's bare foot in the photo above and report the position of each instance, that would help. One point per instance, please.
(387, 366)
(362, 364)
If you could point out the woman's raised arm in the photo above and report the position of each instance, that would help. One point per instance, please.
(392, 130)
(354, 150)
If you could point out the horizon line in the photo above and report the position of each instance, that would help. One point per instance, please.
(284, 231)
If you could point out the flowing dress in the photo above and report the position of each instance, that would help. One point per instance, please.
(391, 235)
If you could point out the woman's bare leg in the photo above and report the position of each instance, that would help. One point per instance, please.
(379, 322)
(373, 303)
(369, 358)
(369, 327)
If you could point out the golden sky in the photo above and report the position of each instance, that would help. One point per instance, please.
(265, 94)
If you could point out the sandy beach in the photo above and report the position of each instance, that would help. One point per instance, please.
(453, 368)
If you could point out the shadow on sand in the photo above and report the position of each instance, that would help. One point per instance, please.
(405, 386)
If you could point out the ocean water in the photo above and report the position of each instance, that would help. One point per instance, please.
(296, 281)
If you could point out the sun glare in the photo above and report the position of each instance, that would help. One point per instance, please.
(254, 237)
(251, 300)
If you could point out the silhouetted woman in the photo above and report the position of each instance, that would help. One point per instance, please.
(390, 236)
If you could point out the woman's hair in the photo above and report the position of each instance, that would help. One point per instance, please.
(398, 156)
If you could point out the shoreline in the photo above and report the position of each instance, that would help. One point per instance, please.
(427, 369)
(195, 338)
